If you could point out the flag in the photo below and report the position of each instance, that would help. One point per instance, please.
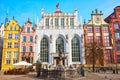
(57, 5)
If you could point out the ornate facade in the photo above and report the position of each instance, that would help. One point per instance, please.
(59, 28)
(114, 20)
(27, 43)
(11, 42)
(97, 32)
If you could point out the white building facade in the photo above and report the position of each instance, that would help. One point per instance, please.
(1, 41)
(56, 29)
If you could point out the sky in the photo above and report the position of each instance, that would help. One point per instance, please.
(24, 9)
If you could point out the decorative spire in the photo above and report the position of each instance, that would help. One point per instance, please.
(96, 10)
(28, 19)
(6, 19)
(92, 12)
(84, 21)
(13, 17)
(42, 10)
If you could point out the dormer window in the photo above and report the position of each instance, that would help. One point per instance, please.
(10, 27)
(28, 30)
(15, 28)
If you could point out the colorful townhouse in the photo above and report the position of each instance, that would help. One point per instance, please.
(98, 31)
(27, 43)
(1, 41)
(114, 20)
(11, 42)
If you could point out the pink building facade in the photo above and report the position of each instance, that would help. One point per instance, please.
(27, 43)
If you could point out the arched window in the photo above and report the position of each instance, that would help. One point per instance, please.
(60, 42)
(44, 50)
(75, 49)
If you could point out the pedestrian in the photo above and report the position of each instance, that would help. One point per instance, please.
(38, 69)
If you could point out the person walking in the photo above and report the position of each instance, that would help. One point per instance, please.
(38, 68)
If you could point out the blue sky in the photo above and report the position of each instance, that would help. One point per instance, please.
(24, 9)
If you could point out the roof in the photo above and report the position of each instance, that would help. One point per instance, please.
(58, 11)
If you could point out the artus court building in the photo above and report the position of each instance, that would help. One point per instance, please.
(63, 29)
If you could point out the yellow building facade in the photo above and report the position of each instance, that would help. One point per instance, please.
(10, 54)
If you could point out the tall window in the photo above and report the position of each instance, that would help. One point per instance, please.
(16, 36)
(118, 46)
(10, 27)
(31, 48)
(9, 45)
(105, 29)
(90, 29)
(31, 39)
(56, 22)
(98, 39)
(47, 23)
(62, 22)
(24, 38)
(97, 29)
(16, 45)
(44, 50)
(60, 42)
(116, 25)
(117, 35)
(15, 54)
(72, 22)
(28, 29)
(24, 48)
(108, 57)
(8, 55)
(14, 27)
(75, 49)
(106, 41)
(9, 36)
(90, 39)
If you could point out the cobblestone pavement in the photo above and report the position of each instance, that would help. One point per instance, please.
(89, 76)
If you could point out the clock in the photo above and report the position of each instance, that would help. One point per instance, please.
(97, 19)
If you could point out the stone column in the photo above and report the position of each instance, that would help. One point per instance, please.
(69, 54)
